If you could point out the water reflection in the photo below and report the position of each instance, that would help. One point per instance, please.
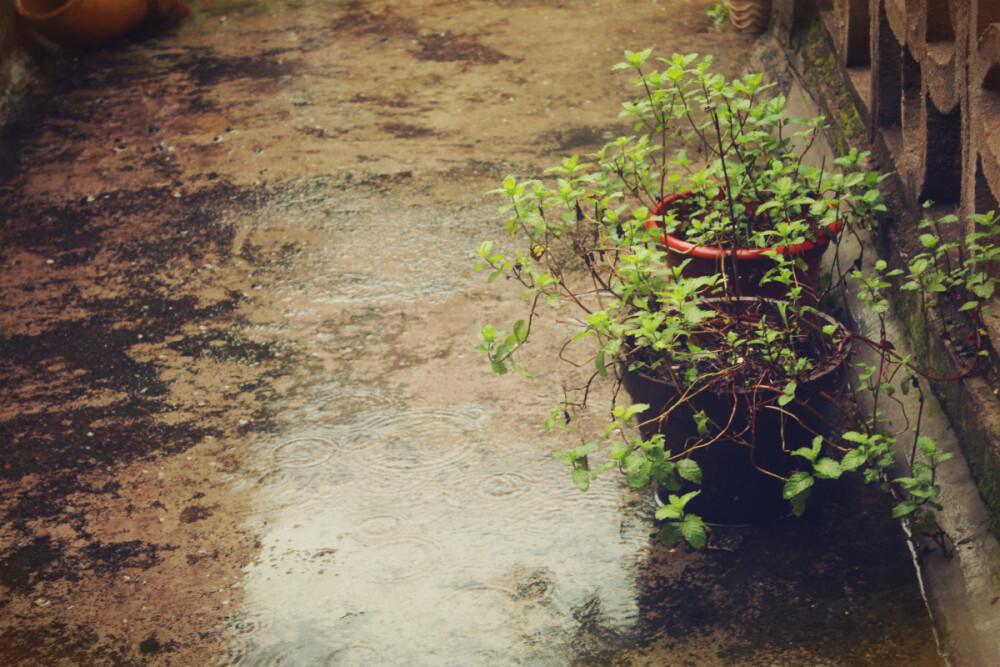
(409, 538)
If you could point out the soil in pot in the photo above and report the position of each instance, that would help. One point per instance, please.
(744, 466)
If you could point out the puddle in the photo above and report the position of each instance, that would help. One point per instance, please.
(408, 537)
(411, 544)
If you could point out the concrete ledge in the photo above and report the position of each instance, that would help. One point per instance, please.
(971, 404)
(961, 592)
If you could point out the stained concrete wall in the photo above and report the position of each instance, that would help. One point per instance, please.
(918, 80)
(927, 74)
(878, 92)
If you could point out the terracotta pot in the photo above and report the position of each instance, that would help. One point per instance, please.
(751, 263)
(750, 16)
(87, 24)
(734, 490)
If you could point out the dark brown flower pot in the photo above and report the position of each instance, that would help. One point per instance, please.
(741, 469)
(88, 24)
(751, 263)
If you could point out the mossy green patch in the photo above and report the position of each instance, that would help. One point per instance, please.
(821, 70)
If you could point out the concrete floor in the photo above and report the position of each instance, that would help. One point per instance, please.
(241, 419)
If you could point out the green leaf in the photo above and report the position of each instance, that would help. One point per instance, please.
(806, 453)
(853, 460)
(670, 533)
(693, 530)
(904, 508)
(810, 453)
(617, 450)
(668, 512)
(827, 468)
(599, 363)
(608, 465)
(799, 482)
(769, 205)
(701, 422)
(682, 501)
(927, 445)
(520, 371)
(689, 470)
(789, 394)
(581, 477)
(799, 502)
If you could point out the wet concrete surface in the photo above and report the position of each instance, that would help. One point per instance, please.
(241, 418)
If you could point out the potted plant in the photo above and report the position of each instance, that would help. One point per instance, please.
(711, 370)
(89, 24)
(750, 194)
(728, 388)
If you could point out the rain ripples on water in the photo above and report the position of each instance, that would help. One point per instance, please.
(413, 520)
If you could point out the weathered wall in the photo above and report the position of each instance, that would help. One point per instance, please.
(927, 75)
(920, 81)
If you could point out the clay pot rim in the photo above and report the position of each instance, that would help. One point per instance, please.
(34, 16)
(714, 253)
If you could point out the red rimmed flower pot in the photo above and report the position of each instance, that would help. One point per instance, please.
(741, 475)
(89, 24)
(751, 263)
